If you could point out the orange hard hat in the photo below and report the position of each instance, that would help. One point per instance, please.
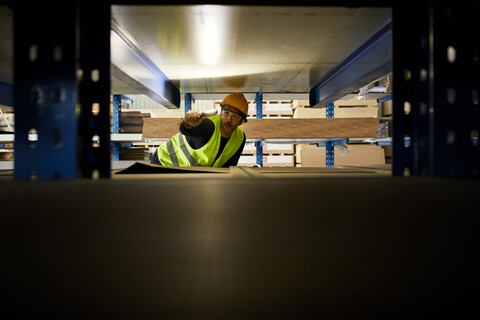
(236, 100)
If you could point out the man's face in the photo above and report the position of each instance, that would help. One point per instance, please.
(231, 119)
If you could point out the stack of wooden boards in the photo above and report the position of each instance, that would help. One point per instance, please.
(134, 153)
(7, 120)
(132, 121)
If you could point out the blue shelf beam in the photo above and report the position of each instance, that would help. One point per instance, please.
(140, 72)
(372, 60)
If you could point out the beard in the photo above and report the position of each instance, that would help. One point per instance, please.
(228, 127)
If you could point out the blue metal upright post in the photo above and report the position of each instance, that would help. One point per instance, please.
(259, 104)
(45, 90)
(116, 123)
(94, 89)
(259, 144)
(436, 80)
(329, 111)
(329, 146)
(329, 154)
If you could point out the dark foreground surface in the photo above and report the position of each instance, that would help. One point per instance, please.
(240, 248)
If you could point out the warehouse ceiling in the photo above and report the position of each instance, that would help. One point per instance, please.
(219, 49)
(211, 48)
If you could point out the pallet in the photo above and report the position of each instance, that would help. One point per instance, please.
(272, 109)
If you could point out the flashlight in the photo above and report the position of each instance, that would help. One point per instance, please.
(208, 113)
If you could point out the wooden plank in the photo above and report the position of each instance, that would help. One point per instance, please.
(310, 128)
(280, 128)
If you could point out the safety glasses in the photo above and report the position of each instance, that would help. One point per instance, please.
(235, 116)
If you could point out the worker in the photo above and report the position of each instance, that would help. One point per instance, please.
(214, 141)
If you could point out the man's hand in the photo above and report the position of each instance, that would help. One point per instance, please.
(193, 118)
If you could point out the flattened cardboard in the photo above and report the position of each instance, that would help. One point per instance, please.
(149, 168)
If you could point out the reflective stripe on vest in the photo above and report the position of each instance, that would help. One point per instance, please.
(187, 154)
(171, 152)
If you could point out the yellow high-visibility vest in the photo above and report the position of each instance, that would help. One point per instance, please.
(177, 152)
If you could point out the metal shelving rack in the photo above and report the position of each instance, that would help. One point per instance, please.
(435, 70)
(160, 248)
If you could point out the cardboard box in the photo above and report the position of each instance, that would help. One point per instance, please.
(358, 155)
